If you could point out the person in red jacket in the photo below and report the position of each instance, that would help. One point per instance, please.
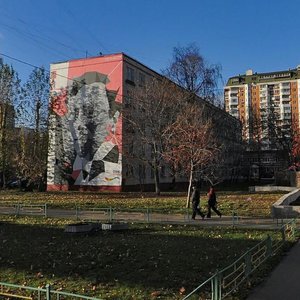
(212, 202)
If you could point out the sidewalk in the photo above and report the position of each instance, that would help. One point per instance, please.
(155, 217)
(283, 283)
(139, 215)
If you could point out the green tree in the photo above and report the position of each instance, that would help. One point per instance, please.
(32, 120)
(9, 93)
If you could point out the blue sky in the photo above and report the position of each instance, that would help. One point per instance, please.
(258, 34)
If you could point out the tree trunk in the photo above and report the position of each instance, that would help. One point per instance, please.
(3, 143)
(190, 186)
(156, 181)
(4, 157)
(36, 150)
(156, 170)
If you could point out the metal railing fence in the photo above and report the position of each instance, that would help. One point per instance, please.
(227, 281)
(19, 209)
(13, 291)
(113, 214)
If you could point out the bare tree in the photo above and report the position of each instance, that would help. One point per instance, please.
(189, 69)
(190, 142)
(148, 111)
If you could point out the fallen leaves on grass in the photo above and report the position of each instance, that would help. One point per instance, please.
(155, 294)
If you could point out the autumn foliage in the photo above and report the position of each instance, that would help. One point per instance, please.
(190, 142)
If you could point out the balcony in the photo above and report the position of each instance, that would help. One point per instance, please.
(233, 102)
(263, 99)
(286, 116)
(233, 111)
(285, 98)
(285, 92)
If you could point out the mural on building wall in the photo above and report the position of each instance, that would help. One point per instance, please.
(86, 134)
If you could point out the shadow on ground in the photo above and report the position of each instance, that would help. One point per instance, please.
(150, 258)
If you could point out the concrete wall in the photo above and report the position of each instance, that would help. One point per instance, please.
(288, 198)
(283, 209)
(271, 188)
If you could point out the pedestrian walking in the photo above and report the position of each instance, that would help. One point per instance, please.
(196, 201)
(212, 202)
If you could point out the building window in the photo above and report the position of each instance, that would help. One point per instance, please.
(142, 172)
(163, 171)
(128, 98)
(129, 171)
(130, 75)
(152, 173)
(142, 79)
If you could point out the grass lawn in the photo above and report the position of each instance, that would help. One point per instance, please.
(144, 262)
(244, 203)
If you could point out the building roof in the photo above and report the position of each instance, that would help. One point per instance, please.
(258, 78)
(110, 55)
(129, 58)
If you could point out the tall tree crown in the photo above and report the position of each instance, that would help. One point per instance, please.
(189, 69)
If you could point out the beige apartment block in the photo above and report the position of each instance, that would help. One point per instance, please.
(267, 104)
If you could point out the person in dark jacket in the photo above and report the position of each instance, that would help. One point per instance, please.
(196, 201)
(212, 202)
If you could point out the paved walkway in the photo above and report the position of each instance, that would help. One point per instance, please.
(284, 281)
(141, 215)
(103, 215)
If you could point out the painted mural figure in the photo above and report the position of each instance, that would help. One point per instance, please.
(89, 151)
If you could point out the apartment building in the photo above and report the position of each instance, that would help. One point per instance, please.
(268, 106)
(87, 134)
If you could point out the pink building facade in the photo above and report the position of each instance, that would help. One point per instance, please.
(89, 146)
(85, 124)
